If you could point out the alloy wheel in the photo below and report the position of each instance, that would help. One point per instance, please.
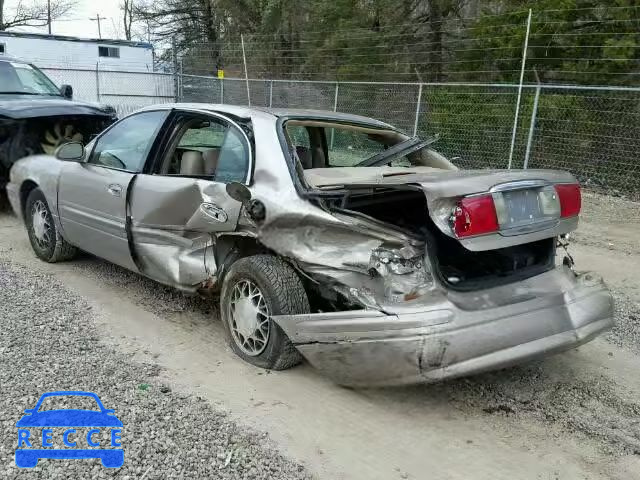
(41, 224)
(249, 318)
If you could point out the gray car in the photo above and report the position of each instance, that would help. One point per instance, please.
(327, 236)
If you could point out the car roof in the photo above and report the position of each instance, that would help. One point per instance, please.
(243, 111)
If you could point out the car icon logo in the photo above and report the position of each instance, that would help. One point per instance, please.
(31, 448)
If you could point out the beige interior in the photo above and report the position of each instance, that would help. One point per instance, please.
(199, 163)
(315, 159)
(335, 176)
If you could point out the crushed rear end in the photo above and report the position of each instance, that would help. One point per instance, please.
(458, 275)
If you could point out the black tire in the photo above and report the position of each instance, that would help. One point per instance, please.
(283, 293)
(53, 248)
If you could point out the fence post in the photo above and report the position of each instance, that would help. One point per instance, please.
(270, 93)
(97, 82)
(246, 73)
(174, 58)
(415, 123)
(532, 126)
(335, 109)
(181, 81)
(524, 61)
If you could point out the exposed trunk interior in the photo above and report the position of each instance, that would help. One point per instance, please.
(457, 267)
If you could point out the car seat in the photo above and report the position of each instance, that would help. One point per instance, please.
(192, 163)
(304, 155)
(210, 158)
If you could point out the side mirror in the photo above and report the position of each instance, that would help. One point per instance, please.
(72, 151)
(66, 91)
(238, 192)
(30, 410)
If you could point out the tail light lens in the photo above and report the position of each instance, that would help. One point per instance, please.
(570, 199)
(475, 216)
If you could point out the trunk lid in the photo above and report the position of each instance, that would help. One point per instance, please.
(519, 197)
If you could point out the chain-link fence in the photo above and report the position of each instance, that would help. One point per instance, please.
(594, 132)
(125, 91)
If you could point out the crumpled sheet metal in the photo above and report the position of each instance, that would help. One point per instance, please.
(367, 348)
(188, 265)
(172, 223)
(337, 252)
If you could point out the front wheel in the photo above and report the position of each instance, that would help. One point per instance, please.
(46, 241)
(256, 288)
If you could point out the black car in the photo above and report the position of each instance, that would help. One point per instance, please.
(36, 116)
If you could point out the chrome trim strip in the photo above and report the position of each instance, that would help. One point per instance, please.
(519, 185)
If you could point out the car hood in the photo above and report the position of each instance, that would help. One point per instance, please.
(69, 418)
(18, 106)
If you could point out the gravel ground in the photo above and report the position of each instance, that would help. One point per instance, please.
(609, 222)
(626, 332)
(613, 223)
(49, 342)
(162, 426)
(594, 407)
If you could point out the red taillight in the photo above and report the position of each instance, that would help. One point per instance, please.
(475, 216)
(570, 199)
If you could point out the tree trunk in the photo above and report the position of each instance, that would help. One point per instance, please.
(435, 40)
(211, 32)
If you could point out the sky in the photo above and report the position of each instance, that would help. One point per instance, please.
(77, 22)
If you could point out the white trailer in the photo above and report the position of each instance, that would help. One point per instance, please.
(59, 51)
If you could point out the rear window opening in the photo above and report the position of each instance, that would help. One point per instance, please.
(455, 266)
(316, 145)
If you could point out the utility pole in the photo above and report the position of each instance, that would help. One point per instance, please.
(49, 15)
(97, 19)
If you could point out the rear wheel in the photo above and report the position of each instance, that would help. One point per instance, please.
(46, 241)
(256, 288)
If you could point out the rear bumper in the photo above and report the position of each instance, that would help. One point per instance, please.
(369, 348)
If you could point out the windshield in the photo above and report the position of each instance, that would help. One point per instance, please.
(25, 79)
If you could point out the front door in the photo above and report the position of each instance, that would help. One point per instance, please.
(179, 207)
(92, 196)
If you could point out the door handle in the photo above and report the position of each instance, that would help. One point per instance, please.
(115, 189)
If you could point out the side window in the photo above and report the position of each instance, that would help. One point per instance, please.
(126, 145)
(234, 158)
(299, 136)
(300, 144)
(209, 148)
(347, 148)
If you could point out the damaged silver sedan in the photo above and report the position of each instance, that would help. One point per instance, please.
(327, 236)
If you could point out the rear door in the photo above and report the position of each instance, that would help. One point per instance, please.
(92, 196)
(181, 203)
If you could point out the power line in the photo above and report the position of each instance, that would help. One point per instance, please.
(97, 19)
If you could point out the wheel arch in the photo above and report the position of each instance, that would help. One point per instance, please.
(43, 171)
(230, 248)
(25, 189)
